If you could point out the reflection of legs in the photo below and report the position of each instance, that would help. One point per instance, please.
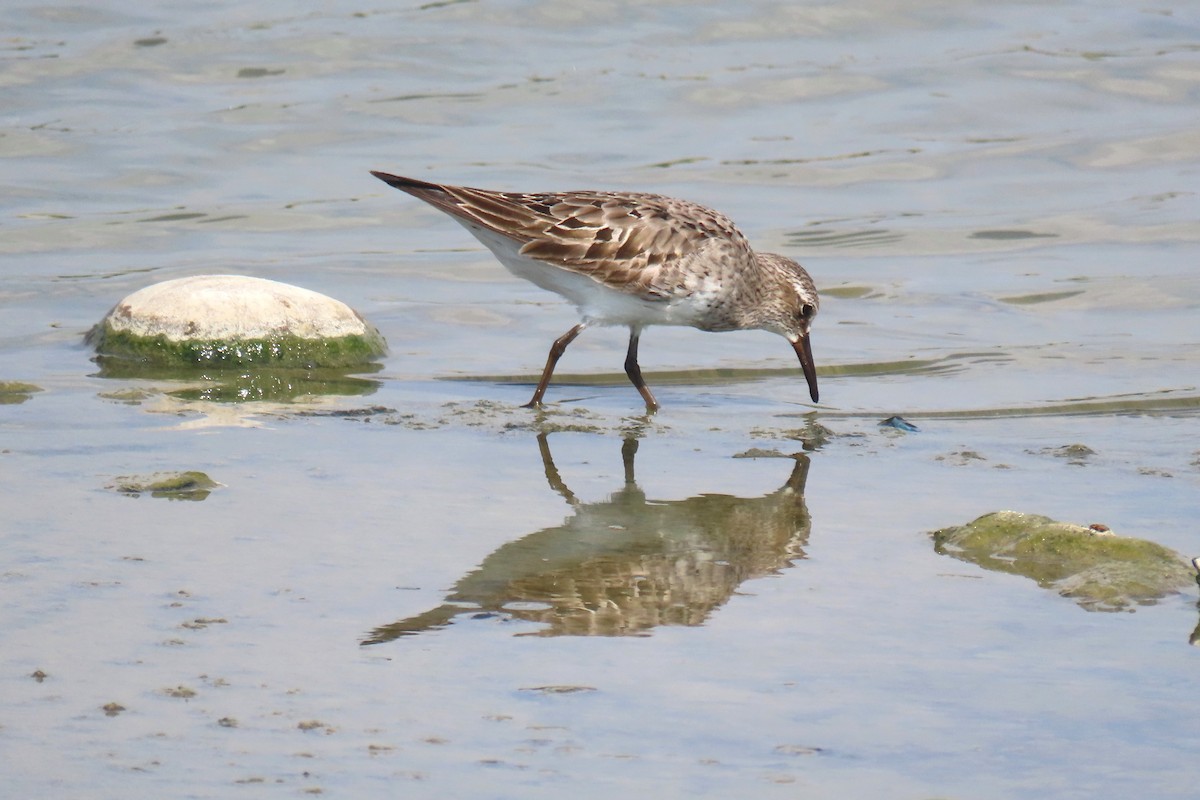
(552, 477)
(635, 372)
(556, 350)
(799, 476)
(629, 449)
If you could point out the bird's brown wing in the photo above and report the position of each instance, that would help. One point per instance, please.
(631, 242)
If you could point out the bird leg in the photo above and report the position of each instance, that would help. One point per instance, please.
(556, 350)
(635, 372)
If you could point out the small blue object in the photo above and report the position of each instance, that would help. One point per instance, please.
(900, 424)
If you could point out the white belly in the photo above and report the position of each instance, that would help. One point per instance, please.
(597, 303)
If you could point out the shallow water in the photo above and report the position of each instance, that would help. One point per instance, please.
(998, 202)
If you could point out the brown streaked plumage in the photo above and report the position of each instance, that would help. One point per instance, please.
(633, 259)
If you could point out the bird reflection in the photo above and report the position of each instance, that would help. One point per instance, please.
(625, 565)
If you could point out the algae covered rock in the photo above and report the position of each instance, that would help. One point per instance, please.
(235, 321)
(14, 392)
(189, 485)
(1098, 570)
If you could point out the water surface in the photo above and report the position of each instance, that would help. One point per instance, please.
(998, 202)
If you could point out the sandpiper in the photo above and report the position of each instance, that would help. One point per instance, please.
(633, 259)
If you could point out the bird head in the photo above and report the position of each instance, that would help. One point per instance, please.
(789, 309)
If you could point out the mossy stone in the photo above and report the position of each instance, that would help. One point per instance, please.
(235, 321)
(14, 392)
(1098, 570)
(189, 485)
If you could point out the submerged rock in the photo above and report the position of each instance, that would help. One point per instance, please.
(1098, 570)
(190, 485)
(235, 320)
(14, 392)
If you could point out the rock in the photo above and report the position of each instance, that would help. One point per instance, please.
(235, 321)
(190, 485)
(14, 392)
(1100, 571)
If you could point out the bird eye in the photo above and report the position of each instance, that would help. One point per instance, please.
(807, 310)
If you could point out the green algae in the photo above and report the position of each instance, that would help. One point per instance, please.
(1039, 297)
(189, 485)
(846, 292)
(282, 350)
(1098, 570)
(276, 385)
(230, 384)
(16, 392)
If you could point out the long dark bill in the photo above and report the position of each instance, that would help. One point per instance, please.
(804, 351)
